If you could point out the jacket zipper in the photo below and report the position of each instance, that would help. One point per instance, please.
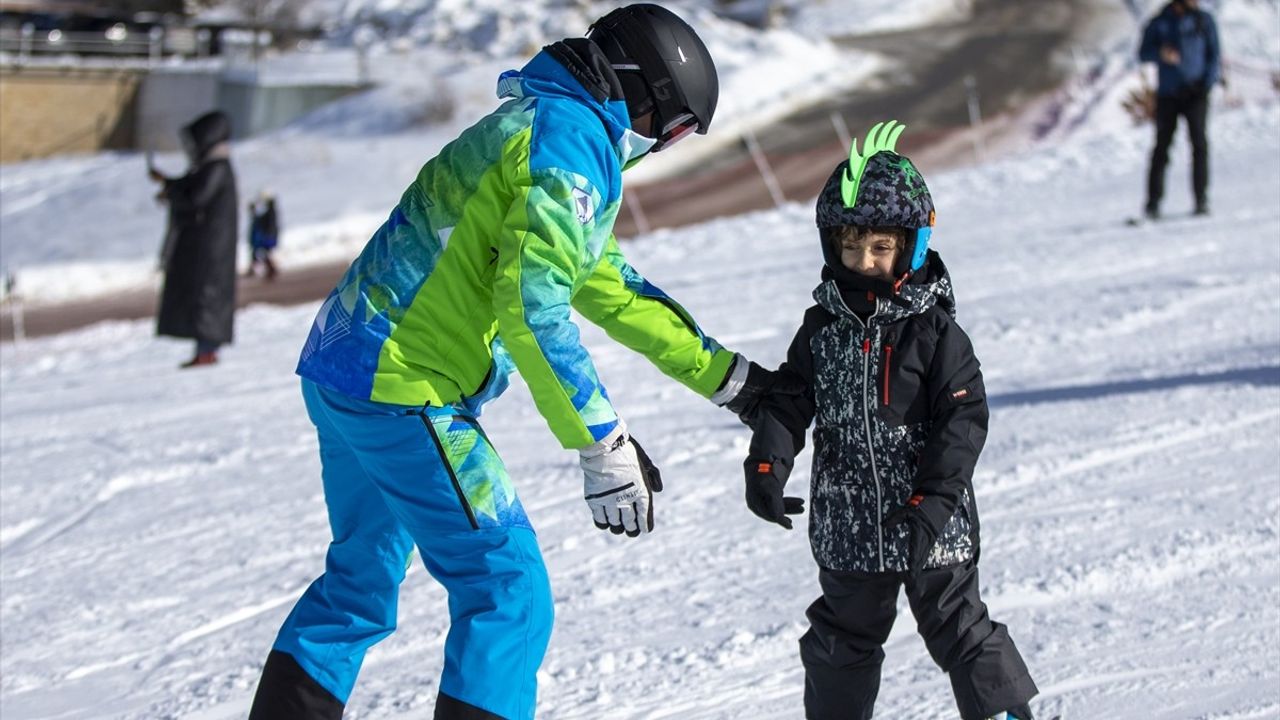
(866, 415)
(888, 355)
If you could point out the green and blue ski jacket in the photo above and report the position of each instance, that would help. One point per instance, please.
(475, 271)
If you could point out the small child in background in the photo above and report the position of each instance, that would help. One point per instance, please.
(900, 414)
(264, 234)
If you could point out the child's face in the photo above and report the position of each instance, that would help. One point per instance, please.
(871, 251)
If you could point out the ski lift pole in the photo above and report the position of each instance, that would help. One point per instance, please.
(842, 130)
(975, 117)
(19, 323)
(762, 164)
(14, 301)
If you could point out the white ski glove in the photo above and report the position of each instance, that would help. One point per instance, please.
(619, 481)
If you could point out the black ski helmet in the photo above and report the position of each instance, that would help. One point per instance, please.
(878, 188)
(663, 66)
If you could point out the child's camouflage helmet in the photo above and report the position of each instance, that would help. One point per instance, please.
(880, 188)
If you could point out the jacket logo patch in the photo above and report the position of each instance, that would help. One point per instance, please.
(582, 204)
(960, 394)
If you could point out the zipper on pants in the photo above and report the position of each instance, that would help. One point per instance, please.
(453, 478)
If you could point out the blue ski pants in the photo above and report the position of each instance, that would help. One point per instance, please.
(395, 477)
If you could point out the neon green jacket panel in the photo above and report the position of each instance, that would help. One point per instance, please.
(545, 253)
(440, 351)
(639, 315)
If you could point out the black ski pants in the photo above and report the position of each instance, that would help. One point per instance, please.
(287, 692)
(843, 649)
(1194, 106)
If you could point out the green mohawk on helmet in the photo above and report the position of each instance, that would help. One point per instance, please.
(883, 136)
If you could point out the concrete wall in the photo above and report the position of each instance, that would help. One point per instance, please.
(47, 112)
(257, 109)
(169, 99)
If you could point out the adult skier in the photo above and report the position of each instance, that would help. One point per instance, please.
(473, 276)
(1183, 41)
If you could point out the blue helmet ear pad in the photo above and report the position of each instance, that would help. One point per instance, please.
(914, 252)
(920, 248)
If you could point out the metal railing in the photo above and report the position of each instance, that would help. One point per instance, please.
(117, 41)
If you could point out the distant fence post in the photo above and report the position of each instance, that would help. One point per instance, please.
(762, 164)
(975, 117)
(637, 212)
(155, 50)
(24, 42)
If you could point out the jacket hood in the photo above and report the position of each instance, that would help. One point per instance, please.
(930, 286)
(205, 132)
(576, 69)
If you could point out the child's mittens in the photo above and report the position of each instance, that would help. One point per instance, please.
(765, 480)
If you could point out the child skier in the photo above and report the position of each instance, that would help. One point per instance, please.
(900, 416)
(264, 234)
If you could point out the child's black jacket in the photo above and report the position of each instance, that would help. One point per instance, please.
(898, 407)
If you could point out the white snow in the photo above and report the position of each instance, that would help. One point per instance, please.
(156, 525)
(831, 18)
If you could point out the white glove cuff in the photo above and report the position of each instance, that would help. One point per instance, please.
(734, 383)
(614, 440)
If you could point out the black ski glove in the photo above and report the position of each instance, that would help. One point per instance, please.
(757, 384)
(916, 514)
(765, 481)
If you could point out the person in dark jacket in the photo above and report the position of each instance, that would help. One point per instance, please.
(897, 400)
(198, 300)
(1183, 41)
(264, 234)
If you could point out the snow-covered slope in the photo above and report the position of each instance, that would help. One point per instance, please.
(156, 525)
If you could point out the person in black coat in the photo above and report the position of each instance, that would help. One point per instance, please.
(900, 413)
(198, 300)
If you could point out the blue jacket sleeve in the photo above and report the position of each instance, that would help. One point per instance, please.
(1213, 53)
(1149, 50)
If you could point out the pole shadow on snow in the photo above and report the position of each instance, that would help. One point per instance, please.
(1260, 376)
